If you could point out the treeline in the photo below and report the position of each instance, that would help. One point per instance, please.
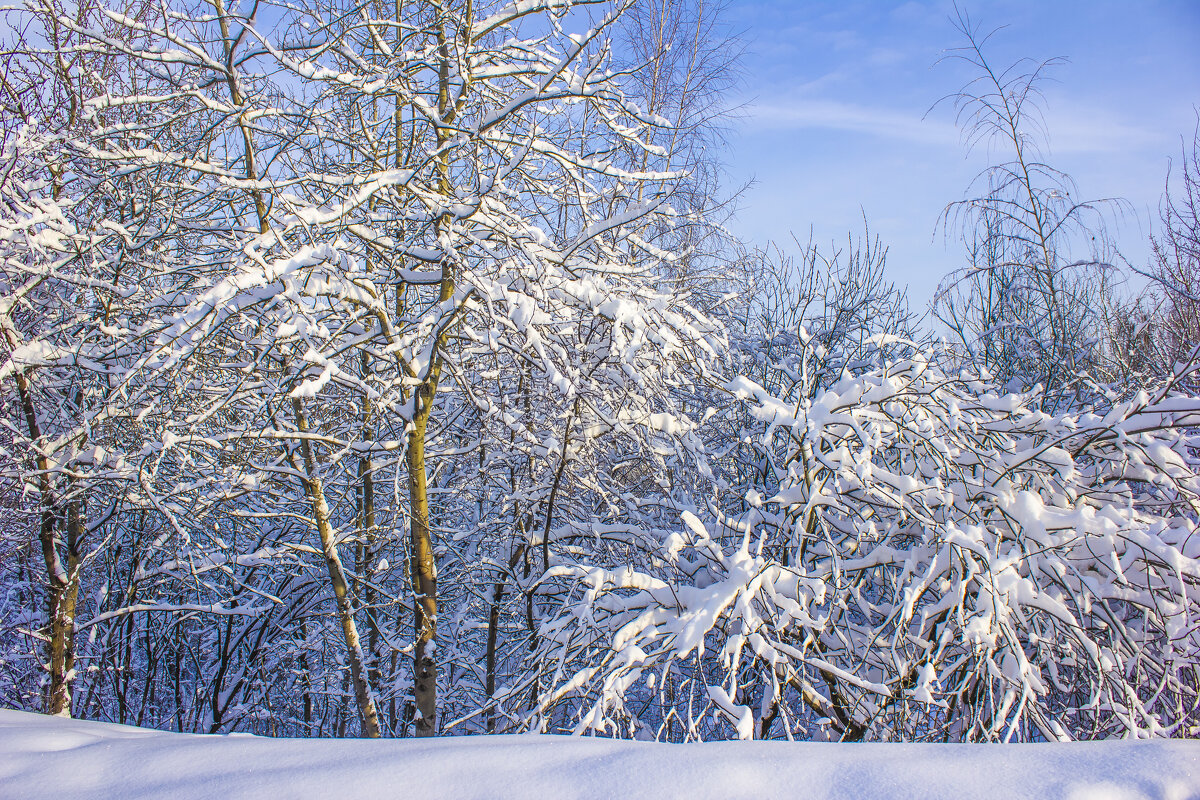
(384, 369)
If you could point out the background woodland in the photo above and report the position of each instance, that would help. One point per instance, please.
(385, 369)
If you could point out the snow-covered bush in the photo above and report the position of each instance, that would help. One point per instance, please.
(941, 562)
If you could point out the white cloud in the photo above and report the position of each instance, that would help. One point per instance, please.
(1080, 129)
(1073, 128)
(838, 116)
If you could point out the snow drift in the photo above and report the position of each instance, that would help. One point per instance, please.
(47, 756)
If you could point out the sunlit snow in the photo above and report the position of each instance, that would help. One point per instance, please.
(43, 756)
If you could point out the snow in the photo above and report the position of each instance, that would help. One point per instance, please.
(49, 756)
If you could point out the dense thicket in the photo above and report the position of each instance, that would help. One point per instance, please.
(383, 369)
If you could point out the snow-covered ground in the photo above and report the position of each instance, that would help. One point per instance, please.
(49, 757)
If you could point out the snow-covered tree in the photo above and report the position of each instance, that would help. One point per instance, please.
(943, 561)
(370, 369)
(371, 217)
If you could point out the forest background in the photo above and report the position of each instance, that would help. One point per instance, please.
(392, 369)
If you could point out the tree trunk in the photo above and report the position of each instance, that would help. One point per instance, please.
(424, 576)
(490, 678)
(369, 537)
(424, 572)
(62, 621)
(62, 584)
(337, 576)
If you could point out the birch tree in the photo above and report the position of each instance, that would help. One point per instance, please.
(320, 303)
(1027, 307)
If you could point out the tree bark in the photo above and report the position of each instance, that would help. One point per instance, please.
(424, 574)
(369, 537)
(62, 622)
(337, 577)
(62, 584)
(424, 571)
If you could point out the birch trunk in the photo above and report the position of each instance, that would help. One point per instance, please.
(337, 577)
(424, 571)
(62, 584)
(424, 577)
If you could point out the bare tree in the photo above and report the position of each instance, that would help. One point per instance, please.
(1160, 328)
(1023, 308)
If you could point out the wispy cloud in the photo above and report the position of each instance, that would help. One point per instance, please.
(833, 115)
(1079, 129)
(1073, 128)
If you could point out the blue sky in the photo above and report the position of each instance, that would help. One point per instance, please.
(835, 123)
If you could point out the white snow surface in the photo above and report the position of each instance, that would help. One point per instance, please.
(52, 757)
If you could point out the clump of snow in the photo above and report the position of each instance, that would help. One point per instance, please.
(48, 756)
